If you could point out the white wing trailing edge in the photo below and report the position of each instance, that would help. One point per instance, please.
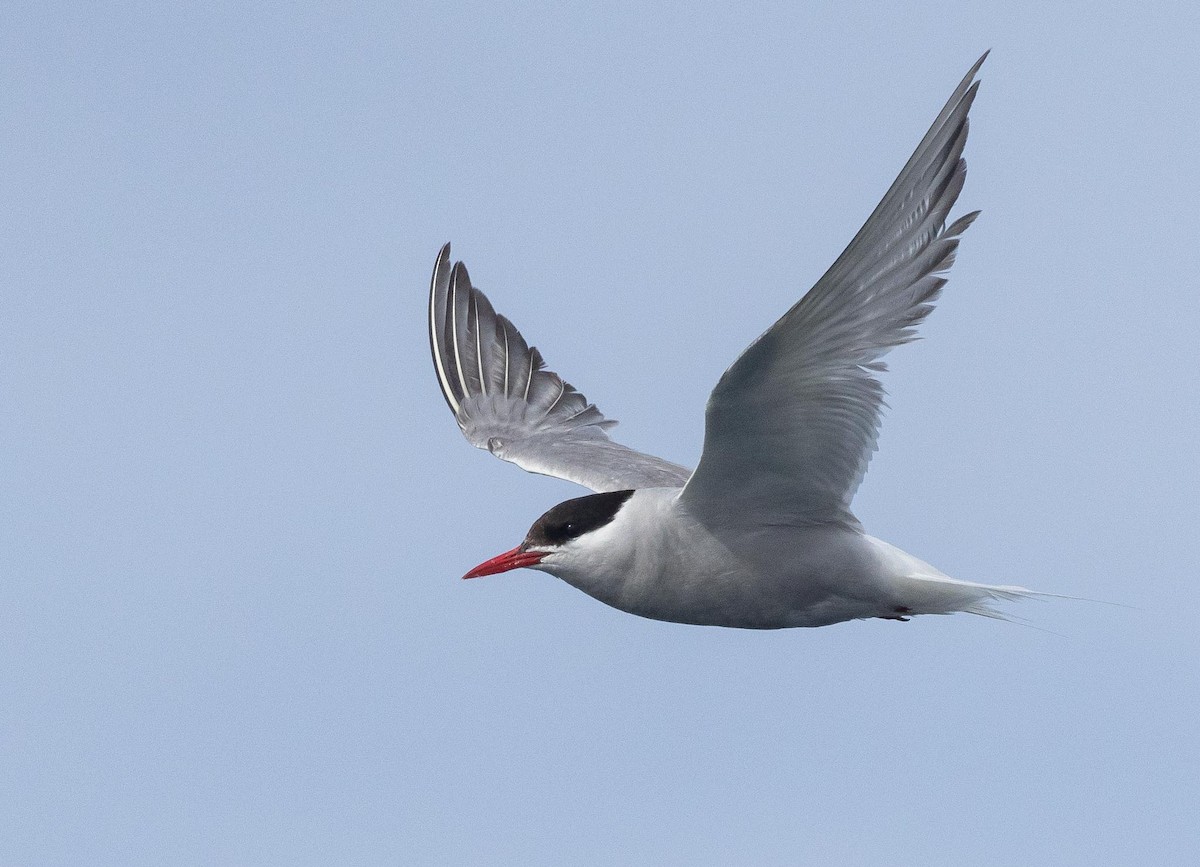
(505, 401)
(791, 426)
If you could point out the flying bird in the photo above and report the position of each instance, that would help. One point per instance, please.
(760, 535)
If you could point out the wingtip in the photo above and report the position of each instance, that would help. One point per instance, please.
(459, 275)
(974, 70)
(968, 82)
(438, 289)
(439, 270)
(439, 267)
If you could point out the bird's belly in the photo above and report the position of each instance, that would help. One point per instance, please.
(734, 596)
(745, 601)
(803, 578)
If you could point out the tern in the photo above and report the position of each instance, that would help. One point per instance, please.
(760, 535)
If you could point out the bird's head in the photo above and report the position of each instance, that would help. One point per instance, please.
(565, 536)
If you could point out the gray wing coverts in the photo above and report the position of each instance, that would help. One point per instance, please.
(505, 401)
(791, 426)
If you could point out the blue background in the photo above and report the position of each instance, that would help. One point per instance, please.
(235, 509)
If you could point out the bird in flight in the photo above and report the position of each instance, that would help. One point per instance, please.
(760, 535)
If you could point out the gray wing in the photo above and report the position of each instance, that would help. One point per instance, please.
(505, 401)
(791, 426)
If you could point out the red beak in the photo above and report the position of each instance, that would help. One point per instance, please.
(514, 559)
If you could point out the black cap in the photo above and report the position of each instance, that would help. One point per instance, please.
(572, 518)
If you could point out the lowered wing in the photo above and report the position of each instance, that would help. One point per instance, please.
(505, 401)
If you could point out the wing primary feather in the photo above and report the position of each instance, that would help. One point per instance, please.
(962, 224)
(504, 333)
(478, 344)
(533, 366)
(562, 389)
(453, 304)
(436, 305)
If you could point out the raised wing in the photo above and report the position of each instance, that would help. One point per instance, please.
(505, 401)
(791, 426)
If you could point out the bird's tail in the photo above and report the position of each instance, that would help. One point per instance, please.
(941, 594)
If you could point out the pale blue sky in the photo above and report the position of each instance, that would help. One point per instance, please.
(235, 508)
